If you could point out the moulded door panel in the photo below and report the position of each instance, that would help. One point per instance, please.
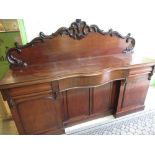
(135, 91)
(105, 97)
(39, 115)
(77, 102)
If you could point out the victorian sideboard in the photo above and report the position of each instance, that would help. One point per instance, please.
(74, 75)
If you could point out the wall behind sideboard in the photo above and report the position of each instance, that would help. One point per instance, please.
(131, 16)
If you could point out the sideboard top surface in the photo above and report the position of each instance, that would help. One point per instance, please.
(79, 67)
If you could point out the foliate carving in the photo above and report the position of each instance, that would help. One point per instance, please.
(77, 30)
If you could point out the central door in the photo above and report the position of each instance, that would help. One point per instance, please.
(85, 103)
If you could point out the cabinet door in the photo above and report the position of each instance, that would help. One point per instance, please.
(133, 94)
(86, 103)
(41, 115)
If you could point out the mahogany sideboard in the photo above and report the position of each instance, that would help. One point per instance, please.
(74, 75)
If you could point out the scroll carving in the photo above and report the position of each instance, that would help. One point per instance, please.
(77, 30)
(151, 73)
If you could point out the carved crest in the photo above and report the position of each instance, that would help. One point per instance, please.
(77, 30)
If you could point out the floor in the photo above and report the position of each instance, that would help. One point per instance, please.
(139, 123)
(8, 127)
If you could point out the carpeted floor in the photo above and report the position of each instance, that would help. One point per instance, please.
(140, 123)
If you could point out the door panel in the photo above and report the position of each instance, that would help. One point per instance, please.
(132, 94)
(105, 97)
(39, 115)
(77, 102)
(135, 91)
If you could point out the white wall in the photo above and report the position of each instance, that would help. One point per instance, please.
(124, 16)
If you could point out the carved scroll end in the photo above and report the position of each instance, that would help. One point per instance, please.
(131, 45)
(151, 73)
(13, 60)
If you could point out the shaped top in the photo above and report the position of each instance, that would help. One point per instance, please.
(77, 41)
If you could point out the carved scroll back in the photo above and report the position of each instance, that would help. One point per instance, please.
(77, 41)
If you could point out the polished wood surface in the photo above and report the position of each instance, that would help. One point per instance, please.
(74, 75)
(83, 67)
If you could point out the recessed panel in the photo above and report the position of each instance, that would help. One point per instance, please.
(77, 102)
(105, 97)
(38, 115)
